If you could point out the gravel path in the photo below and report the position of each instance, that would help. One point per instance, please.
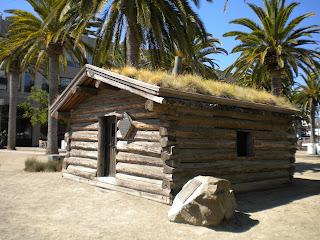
(46, 206)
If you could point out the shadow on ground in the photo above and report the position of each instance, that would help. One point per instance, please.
(240, 222)
(262, 200)
(302, 167)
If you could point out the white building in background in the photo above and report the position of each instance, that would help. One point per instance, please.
(27, 135)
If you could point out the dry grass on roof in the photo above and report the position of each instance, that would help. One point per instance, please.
(196, 84)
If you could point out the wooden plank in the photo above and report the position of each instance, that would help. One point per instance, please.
(124, 85)
(139, 159)
(148, 148)
(140, 170)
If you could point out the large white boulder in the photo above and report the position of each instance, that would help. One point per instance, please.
(205, 201)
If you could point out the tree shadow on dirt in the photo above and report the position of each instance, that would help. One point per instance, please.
(261, 200)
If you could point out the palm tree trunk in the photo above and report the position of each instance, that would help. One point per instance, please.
(312, 125)
(53, 80)
(13, 98)
(132, 40)
(276, 85)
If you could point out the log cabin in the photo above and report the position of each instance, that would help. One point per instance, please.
(131, 136)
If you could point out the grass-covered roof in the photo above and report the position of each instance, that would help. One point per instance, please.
(196, 84)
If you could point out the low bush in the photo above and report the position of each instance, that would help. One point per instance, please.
(34, 165)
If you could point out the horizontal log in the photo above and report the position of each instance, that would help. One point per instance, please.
(198, 132)
(89, 126)
(148, 148)
(142, 186)
(139, 159)
(239, 114)
(205, 155)
(81, 171)
(259, 185)
(275, 135)
(84, 162)
(148, 124)
(84, 145)
(198, 143)
(227, 123)
(273, 145)
(108, 107)
(233, 178)
(83, 153)
(87, 136)
(225, 166)
(105, 184)
(140, 170)
(127, 177)
(152, 136)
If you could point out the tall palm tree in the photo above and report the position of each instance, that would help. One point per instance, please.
(10, 61)
(275, 46)
(43, 41)
(308, 97)
(159, 25)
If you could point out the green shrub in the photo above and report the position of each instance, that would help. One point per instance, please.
(34, 165)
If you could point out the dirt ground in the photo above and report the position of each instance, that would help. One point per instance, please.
(46, 206)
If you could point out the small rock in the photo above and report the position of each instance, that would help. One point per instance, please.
(205, 201)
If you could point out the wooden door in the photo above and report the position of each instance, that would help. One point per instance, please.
(107, 146)
(111, 133)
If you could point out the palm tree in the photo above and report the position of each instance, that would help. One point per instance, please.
(202, 62)
(10, 61)
(275, 46)
(308, 97)
(43, 41)
(161, 25)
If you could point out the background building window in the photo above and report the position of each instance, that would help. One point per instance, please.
(3, 83)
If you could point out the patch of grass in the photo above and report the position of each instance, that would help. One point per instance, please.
(34, 165)
(196, 84)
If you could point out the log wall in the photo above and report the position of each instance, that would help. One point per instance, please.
(138, 162)
(178, 141)
(199, 141)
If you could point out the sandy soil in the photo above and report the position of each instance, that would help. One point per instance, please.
(46, 206)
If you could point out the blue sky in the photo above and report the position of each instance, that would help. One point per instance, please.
(215, 19)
